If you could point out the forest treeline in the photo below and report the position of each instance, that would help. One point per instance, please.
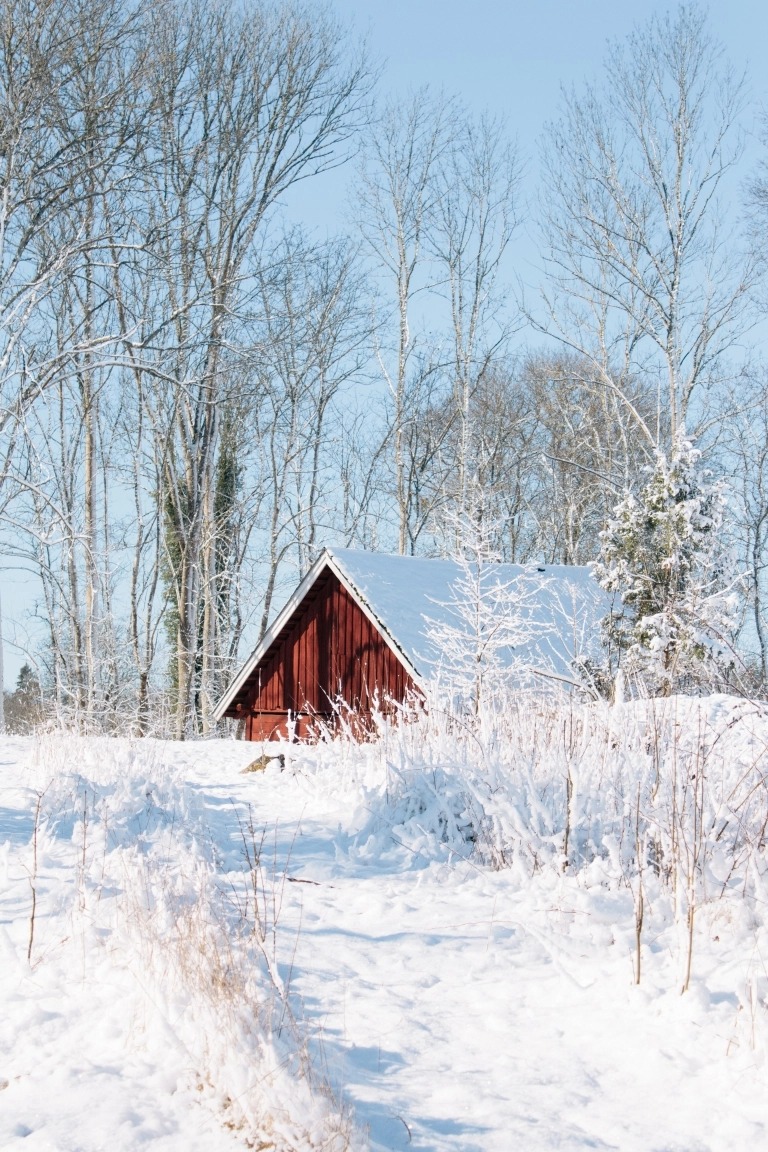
(198, 393)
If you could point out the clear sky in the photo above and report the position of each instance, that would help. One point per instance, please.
(509, 58)
(513, 57)
(513, 60)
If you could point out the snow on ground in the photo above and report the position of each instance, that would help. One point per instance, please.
(457, 1008)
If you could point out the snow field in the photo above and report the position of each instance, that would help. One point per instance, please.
(461, 975)
(473, 1008)
(146, 1015)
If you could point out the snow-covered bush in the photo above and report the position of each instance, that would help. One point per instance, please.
(665, 797)
(478, 633)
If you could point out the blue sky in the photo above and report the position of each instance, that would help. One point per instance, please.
(510, 59)
(513, 60)
(513, 57)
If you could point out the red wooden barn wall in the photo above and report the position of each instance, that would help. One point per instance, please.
(328, 650)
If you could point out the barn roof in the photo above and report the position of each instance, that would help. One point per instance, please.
(414, 597)
(408, 598)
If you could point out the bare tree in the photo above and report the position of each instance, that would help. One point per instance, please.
(585, 448)
(65, 115)
(61, 427)
(472, 221)
(397, 194)
(143, 151)
(437, 211)
(360, 460)
(744, 452)
(48, 525)
(140, 470)
(550, 450)
(503, 423)
(644, 279)
(427, 451)
(248, 103)
(310, 336)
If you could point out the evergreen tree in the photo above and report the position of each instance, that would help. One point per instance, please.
(662, 557)
(24, 707)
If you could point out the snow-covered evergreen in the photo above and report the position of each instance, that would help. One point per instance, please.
(664, 560)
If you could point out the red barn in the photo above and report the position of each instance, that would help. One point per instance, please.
(356, 632)
(326, 646)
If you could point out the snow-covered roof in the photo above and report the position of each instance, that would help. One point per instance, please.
(411, 599)
(414, 598)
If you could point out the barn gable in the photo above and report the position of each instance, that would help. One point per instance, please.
(325, 645)
(357, 629)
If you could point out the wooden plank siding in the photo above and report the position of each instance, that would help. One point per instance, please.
(327, 655)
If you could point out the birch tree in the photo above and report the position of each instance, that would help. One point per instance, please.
(437, 210)
(397, 194)
(310, 336)
(473, 218)
(644, 276)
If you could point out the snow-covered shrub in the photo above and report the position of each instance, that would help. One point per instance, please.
(496, 785)
(666, 797)
(476, 636)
